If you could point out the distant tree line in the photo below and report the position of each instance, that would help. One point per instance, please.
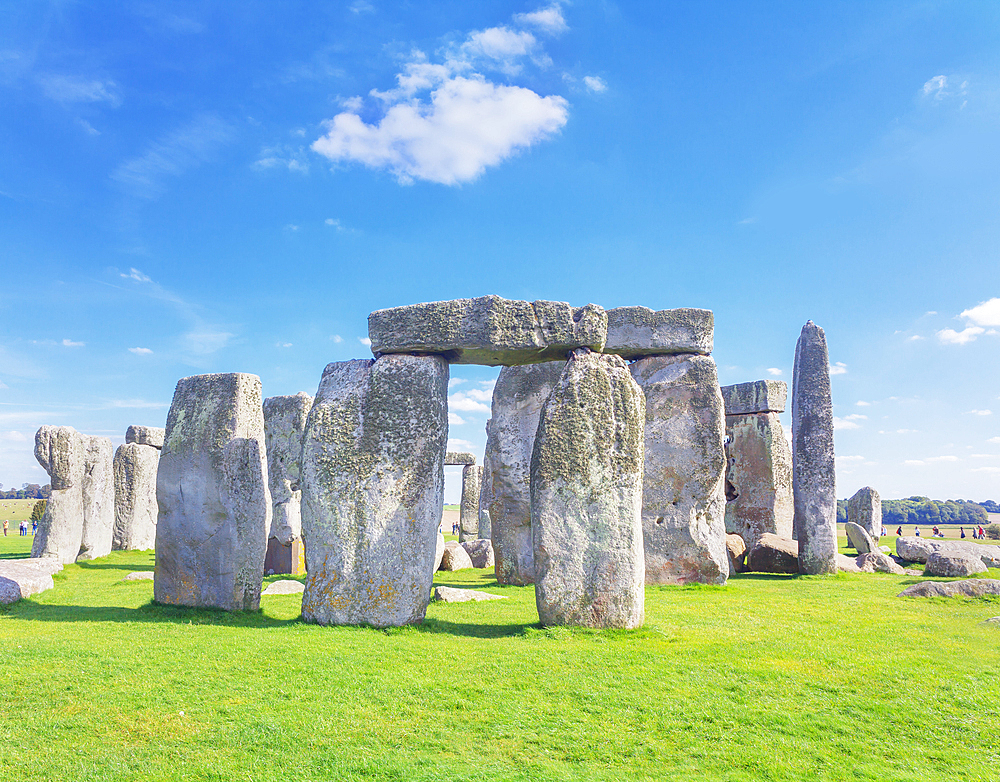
(927, 512)
(28, 491)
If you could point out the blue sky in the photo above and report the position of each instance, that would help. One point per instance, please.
(216, 187)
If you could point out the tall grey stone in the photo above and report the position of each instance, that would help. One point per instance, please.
(61, 453)
(284, 424)
(472, 479)
(814, 479)
(486, 493)
(98, 498)
(684, 502)
(373, 489)
(211, 487)
(518, 397)
(145, 435)
(865, 510)
(135, 497)
(586, 497)
(488, 330)
(635, 332)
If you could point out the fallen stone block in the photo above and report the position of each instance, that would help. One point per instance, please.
(736, 547)
(772, 554)
(145, 435)
(976, 587)
(480, 552)
(953, 564)
(759, 396)
(452, 595)
(917, 549)
(859, 539)
(846, 564)
(21, 578)
(636, 332)
(285, 587)
(140, 575)
(878, 562)
(455, 557)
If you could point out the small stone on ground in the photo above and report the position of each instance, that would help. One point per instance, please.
(140, 575)
(453, 595)
(285, 587)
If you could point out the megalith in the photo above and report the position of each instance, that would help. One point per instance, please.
(284, 424)
(586, 491)
(135, 496)
(684, 502)
(61, 453)
(518, 397)
(472, 479)
(98, 498)
(865, 510)
(145, 435)
(211, 488)
(759, 462)
(813, 467)
(486, 493)
(373, 489)
(636, 332)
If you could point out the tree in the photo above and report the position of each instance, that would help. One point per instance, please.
(37, 510)
(993, 531)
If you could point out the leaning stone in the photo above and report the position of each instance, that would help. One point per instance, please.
(878, 562)
(458, 458)
(480, 552)
(976, 587)
(135, 497)
(518, 397)
(60, 451)
(285, 587)
(759, 396)
(586, 497)
(452, 595)
(455, 557)
(145, 435)
(847, 564)
(858, 538)
(814, 477)
(953, 564)
(472, 479)
(772, 554)
(683, 502)
(18, 581)
(211, 486)
(636, 332)
(373, 490)
(139, 575)
(736, 547)
(98, 498)
(284, 423)
(865, 510)
(488, 330)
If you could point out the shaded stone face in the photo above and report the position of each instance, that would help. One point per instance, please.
(813, 467)
(211, 488)
(634, 332)
(486, 493)
(145, 435)
(135, 497)
(61, 453)
(586, 497)
(772, 554)
(373, 490)
(859, 539)
(865, 510)
(684, 503)
(98, 498)
(488, 330)
(472, 478)
(518, 397)
(284, 423)
(758, 477)
(760, 396)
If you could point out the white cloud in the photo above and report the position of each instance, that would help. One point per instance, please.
(334, 223)
(985, 469)
(283, 344)
(71, 344)
(336, 338)
(994, 440)
(361, 7)
(775, 371)
(844, 423)
(87, 127)
(914, 463)
(595, 83)
(937, 87)
(986, 313)
(850, 458)
(283, 156)
(549, 19)
(914, 338)
(840, 368)
(952, 337)
(137, 404)
(291, 227)
(456, 381)
(468, 401)
(140, 351)
(15, 437)
(861, 403)
(135, 274)
(979, 412)
(203, 342)
(747, 221)
(855, 417)
(365, 341)
(942, 459)
(460, 445)
(454, 419)
(75, 89)
(984, 455)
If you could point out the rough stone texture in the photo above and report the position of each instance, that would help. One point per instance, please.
(452, 595)
(759, 396)
(455, 557)
(736, 547)
(758, 477)
(284, 423)
(458, 458)
(859, 539)
(98, 498)
(486, 493)
(373, 490)
(60, 451)
(772, 554)
(813, 467)
(145, 435)
(847, 564)
(489, 330)
(438, 552)
(135, 497)
(518, 397)
(140, 575)
(211, 486)
(865, 510)
(18, 580)
(878, 562)
(586, 497)
(914, 549)
(993, 621)
(472, 480)
(480, 552)
(684, 502)
(285, 587)
(953, 564)
(976, 587)
(635, 332)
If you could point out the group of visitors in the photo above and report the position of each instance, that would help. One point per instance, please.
(978, 533)
(24, 528)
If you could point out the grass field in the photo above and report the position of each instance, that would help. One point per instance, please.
(769, 677)
(15, 510)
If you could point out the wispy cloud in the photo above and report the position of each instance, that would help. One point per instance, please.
(471, 401)
(140, 351)
(365, 341)
(979, 412)
(460, 445)
(775, 371)
(985, 315)
(454, 419)
(336, 338)
(845, 423)
(76, 89)
(547, 20)
(952, 337)
(862, 403)
(840, 368)
(68, 343)
(283, 156)
(595, 83)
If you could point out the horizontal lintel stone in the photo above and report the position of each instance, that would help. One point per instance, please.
(759, 396)
(455, 458)
(634, 332)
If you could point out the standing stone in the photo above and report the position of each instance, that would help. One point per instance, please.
(98, 498)
(486, 493)
(373, 490)
(61, 453)
(814, 476)
(518, 397)
(684, 502)
(135, 497)
(145, 435)
(472, 478)
(284, 423)
(211, 487)
(586, 497)
(865, 510)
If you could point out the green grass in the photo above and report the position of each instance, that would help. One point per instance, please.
(15, 510)
(769, 677)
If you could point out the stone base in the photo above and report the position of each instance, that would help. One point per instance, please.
(280, 558)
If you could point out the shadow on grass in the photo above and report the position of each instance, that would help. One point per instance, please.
(88, 565)
(150, 612)
(470, 630)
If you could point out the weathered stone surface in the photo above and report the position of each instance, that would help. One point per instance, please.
(878, 562)
(865, 510)
(135, 497)
(635, 332)
(976, 587)
(914, 549)
(736, 547)
(438, 552)
(455, 557)
(847, 564)
(145, 435)
(759, 396)
(586, 497)
(488, 330)
(518, 397)
(486, 493)
(60, 451)
(285, 587)
(993, 621)
(953, 564)
(19, 579)
(859, 539)
(452, 595)
(480, 552)
(772, 554)
(684, 502)
(373, 490)
(140, 575)
(813, 466)
(98, 498)
(284, 423)
(758, 477)
(211, 486)
(458, 458)
(472, 481)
